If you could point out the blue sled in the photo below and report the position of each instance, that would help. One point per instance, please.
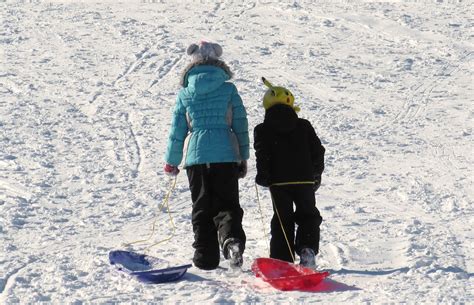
(142, 267)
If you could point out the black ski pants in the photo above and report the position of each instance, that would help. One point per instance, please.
(305, 216)
(216, 214)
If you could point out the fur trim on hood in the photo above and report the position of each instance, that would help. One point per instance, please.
(205, 62)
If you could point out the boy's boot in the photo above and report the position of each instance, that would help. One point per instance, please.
(233, 252)
(307, 258)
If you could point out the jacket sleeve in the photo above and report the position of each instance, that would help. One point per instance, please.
(178, 133)
(240, 124)
(317, 151)
(262, 156)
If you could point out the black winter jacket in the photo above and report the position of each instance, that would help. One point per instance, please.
(287, 148)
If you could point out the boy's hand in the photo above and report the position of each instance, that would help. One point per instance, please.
(242, 169)
(317, 183)
(171, 170)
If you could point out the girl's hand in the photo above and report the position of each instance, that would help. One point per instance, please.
(171, 170)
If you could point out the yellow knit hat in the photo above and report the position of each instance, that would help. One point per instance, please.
(278, 95)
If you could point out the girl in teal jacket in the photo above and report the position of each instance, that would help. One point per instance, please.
(210, 113)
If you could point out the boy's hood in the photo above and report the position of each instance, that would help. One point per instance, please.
(205, 76)
(281, 118)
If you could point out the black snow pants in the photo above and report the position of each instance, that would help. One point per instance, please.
(216, 214)
(306, 216)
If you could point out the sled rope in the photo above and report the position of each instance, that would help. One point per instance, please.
(292, 183)
(261, 219)
(164, 203)
(278, 214)
(283, 229)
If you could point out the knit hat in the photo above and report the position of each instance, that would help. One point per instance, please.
(205, 50)
(278, 95)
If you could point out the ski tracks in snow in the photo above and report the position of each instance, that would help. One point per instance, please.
(420, 96)
(11, 276)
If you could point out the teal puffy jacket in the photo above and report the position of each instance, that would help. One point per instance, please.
(211, 110)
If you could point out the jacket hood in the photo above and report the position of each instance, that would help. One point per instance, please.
(281, 118)
(204, 76)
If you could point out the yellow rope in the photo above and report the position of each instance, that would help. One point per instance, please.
(261, 218)
(165, 202)
(292, 183)
(278, 214)
(282, 228)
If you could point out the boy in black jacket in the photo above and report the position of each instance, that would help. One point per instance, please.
(290, 160)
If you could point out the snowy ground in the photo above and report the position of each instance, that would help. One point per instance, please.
(86, 92)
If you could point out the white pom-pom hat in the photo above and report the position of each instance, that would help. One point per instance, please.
(204, 50)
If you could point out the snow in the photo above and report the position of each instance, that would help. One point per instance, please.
(86, 93)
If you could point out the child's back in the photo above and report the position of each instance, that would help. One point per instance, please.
(296, 152)
(212, 109)
(290, 160)
(210, 112)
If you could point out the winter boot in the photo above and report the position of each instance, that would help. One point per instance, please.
(233, 252)
(307, 258)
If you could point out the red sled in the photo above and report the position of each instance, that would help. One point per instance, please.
(287, 276)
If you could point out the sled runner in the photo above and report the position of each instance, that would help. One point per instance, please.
(143, 267)
(287, 276)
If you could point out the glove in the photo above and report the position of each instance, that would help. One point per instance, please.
(242, 169)
(171, 170)
(317, 183)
